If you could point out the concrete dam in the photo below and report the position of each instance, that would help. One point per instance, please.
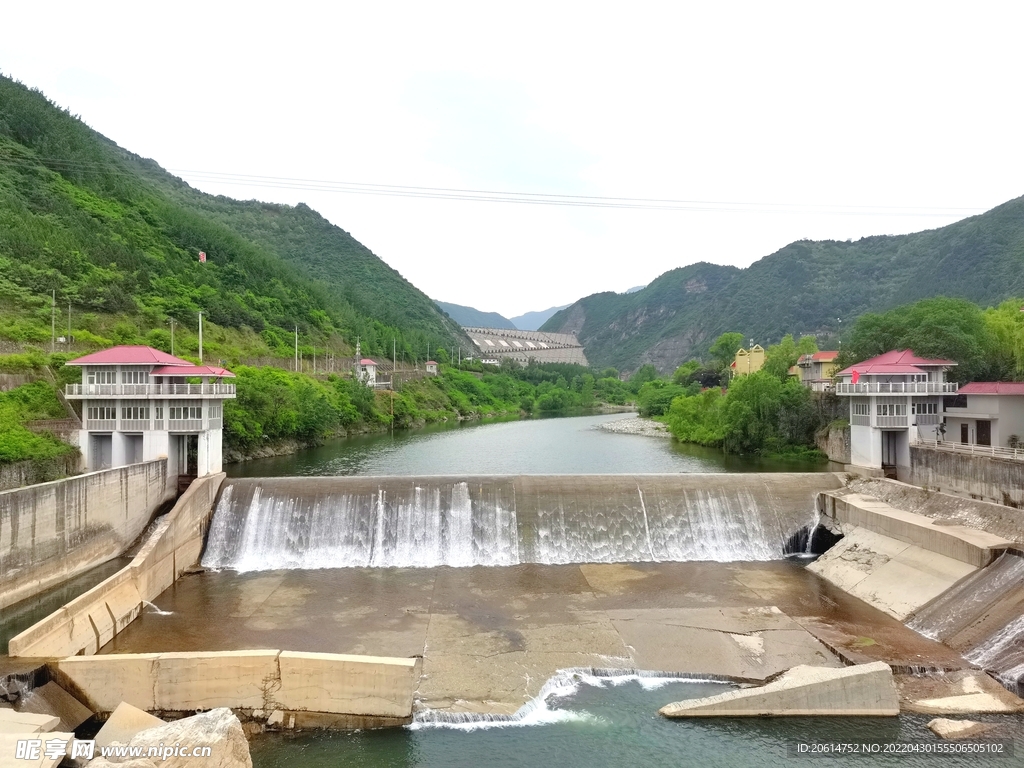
(336, 522)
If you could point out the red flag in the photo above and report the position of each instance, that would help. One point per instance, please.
(856, 376)
(202, 257)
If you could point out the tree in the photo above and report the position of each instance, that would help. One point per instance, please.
(723, 350)
(779, 358)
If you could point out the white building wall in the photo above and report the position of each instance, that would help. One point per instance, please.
(865, 447)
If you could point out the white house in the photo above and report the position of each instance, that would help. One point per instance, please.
(366, 372)
(138, 404)
(431, 367)
(986, 413)
(895, 399)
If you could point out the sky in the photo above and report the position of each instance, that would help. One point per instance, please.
(765, 122)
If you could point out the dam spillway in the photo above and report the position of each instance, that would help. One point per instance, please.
(337, 522)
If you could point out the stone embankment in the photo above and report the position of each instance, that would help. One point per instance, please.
(637, 426)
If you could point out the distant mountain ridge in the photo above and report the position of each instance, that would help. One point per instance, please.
(532, 321)
(804, 288)
(468, 317)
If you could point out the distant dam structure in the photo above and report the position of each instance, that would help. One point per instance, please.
(265, 524)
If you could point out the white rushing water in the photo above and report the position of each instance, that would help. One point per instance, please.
(261, 526)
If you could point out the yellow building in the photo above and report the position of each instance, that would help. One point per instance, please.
(748, 361)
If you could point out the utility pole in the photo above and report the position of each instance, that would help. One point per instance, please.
(296, 349)
(69, 325)
(172, 336)
(53, 324)
(200, 338)
(314, 358)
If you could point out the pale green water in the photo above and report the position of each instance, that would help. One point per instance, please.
(613, 727)
(569, 445)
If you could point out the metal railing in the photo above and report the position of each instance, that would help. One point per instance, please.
(975, 450)
(897, 388)
(149, 390)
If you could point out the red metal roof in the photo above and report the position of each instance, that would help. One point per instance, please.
(190, 370)
(896, 361)
(992, 388)
(431, 362)
(825, 357)
(366, 361)
(129, 355)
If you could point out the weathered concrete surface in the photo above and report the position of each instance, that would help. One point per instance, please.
(53, 701)
(889, 574)
(9, 749)
(804, 690)
(124, 722)
(972, 546)
(978, 477)
(958, 729)
(21, 473)
(967, 691)
(264, 680)
(54, 531)
(91, 620)
(997, 519)
(835, 444)
(26, 722)
(491, 637)
(357, 685)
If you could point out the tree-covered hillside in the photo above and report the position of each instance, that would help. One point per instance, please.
(468, 317)
(805, 288)
(118, 238)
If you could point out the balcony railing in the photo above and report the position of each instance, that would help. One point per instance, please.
(149, 390)
(976, 450)
(897, 388)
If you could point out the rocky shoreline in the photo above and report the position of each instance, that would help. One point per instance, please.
(637, 426)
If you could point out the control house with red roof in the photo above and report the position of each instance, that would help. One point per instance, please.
(895, 399)
(987, 413)
(140, 404)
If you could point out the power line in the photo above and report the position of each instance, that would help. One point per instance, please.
(513, 197)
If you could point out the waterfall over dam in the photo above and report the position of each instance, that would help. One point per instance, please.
(337, 522)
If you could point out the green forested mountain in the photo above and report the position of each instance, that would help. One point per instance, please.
(468, 317)
(802, 289)
(118, 238)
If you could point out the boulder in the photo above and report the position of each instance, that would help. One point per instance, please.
(218, 729)
(865, 689)
(958, 729)
(124, 722)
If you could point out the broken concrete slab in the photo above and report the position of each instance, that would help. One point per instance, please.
(9, 749)
(26, 722)
(958, 729)
(124, 722)
(53, 700)
(866, 689)
(955, 693)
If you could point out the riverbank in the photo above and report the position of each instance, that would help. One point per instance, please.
(637, 426)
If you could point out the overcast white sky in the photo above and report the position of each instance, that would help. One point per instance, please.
(829, 108)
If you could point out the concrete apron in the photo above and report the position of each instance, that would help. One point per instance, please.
(490, 637)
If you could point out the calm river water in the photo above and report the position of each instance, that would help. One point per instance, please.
(568, 445)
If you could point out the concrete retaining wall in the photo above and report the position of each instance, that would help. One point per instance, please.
(265, 680)
(978, 477)
(88, 622)
(895, 560)
(54, 531)
(22, 473)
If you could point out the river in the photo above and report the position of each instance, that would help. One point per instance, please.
(566, 445)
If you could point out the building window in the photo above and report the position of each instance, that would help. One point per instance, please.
(101, 376)
(135, 412)
(919, 377)
(892, 409)
(216, 411)
(101, 413)
(159, 409)
(924, 408)
(135, 377)
(182, 412)
(860, 409)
